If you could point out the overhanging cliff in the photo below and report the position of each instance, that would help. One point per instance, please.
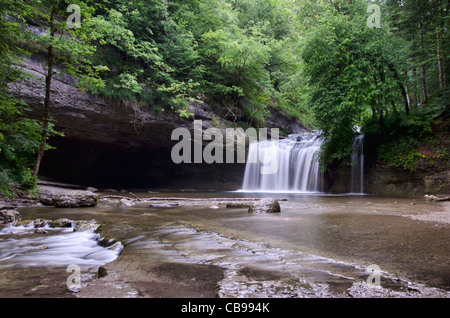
(111, 144)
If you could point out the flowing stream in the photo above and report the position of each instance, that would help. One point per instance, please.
(318, 246)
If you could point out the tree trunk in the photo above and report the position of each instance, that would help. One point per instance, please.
(394, 109)
(414, 76)
(400, 85)
(438, 48)
(422, 66)
(444, 71)
(48, 82)
(408, 97)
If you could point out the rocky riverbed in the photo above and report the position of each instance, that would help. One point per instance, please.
(191, 244)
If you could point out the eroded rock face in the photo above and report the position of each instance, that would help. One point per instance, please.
(384, 180)
(109, 144)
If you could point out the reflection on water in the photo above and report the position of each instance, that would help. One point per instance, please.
(318, 246)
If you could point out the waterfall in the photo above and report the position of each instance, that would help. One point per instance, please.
(296, 159)
(357, 169)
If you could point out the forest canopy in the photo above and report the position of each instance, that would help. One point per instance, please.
(335, 65)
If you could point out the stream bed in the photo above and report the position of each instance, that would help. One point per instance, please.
(318, 246)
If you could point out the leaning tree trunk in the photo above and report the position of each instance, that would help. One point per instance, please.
(48, 82)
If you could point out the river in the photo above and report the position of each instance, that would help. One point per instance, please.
(318, 246)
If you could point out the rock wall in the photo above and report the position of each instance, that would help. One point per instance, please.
(384, 180)
(110, 144)
(381, 179)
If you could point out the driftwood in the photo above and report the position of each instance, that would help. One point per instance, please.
(135, 196)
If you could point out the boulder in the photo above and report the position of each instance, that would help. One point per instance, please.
(261, 206)
(46, 199)
(8, 216)
(66, 198)
(75, 199)
(265, 206)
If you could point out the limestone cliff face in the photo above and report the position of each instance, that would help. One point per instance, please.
(381, 179)
(110, 144)
(389, 181)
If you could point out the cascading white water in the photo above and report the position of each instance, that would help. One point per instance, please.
(19, 246)
(357, 169)
(297, 163)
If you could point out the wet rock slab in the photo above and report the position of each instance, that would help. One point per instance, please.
(67, 198)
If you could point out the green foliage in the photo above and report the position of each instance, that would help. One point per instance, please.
(19, 138)
(405, 140)
(340, 76)
(238, 55)
(18, 135)
(375, 77)
(316, 61)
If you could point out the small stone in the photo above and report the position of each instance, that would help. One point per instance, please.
(102, 272)
(61, 223)
(40, 223)
(40, 231)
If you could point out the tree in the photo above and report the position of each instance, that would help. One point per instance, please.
(351, 71)
(424, 25)
(69, 46)
(18, 135)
